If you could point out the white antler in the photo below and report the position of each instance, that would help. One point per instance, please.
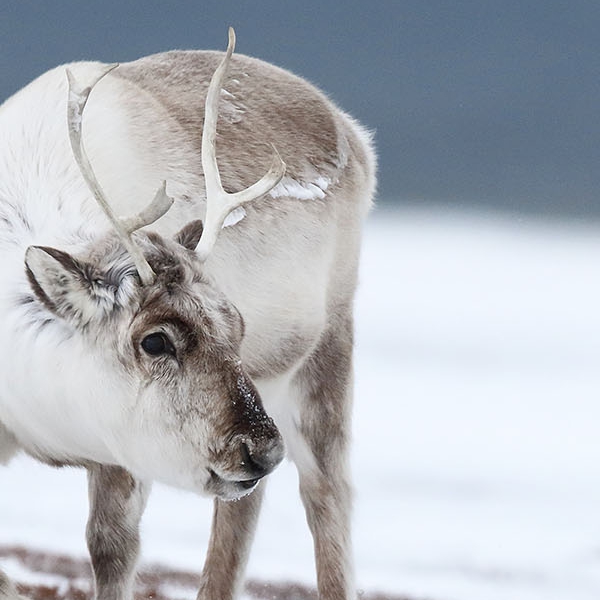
(78, 97)
(219, 203)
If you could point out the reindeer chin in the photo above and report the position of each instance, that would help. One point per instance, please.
(230, 490)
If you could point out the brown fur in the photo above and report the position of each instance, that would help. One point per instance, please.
(178, 80)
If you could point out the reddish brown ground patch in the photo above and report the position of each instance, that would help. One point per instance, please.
(151, 582)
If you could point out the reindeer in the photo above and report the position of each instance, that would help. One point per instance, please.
(142, 350)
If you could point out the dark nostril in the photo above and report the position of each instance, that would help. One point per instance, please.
(252, 462)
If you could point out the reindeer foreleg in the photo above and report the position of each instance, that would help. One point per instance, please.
(117, 502)
(326, 384)
(7, 589)
(232, 533)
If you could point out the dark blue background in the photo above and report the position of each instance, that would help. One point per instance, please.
(473, 102)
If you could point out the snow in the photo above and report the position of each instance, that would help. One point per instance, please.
(476, 450)
(20, 573)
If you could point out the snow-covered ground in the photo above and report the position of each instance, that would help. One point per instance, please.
(477, 420)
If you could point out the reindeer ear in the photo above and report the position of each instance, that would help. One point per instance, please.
(190, 235)
(60, 282)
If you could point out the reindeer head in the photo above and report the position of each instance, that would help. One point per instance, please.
(179, 406)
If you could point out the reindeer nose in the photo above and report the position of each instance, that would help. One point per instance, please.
(259, 458)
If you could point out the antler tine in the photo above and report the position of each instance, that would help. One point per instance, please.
(78, 97)
(220, 203)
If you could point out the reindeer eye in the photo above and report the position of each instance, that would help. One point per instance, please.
(156, 344)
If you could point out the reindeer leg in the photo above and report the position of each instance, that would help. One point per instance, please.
(232, 532)
(325, 488)
(8, 446)
(7, 590)
(117, 502)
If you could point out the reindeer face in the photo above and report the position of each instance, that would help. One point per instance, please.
(187, 413)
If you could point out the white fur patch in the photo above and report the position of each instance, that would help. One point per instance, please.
(300, 189)
(235, 216)
(231, 108)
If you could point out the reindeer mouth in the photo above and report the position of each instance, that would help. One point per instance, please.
(236, 471)
(230, 489)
